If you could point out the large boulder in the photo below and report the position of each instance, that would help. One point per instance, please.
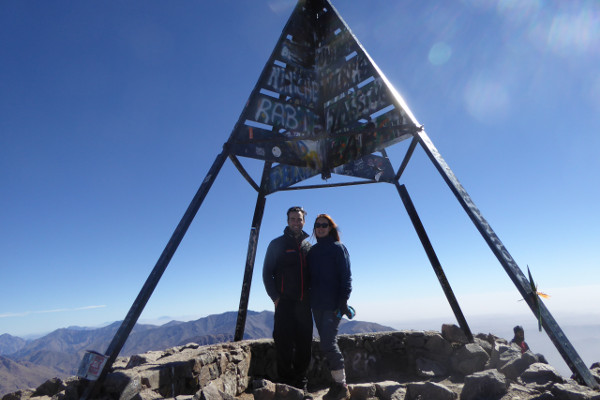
(50, 388)
(454, 334)
(540, 374)
(489, 385)
(390, 390)
(517, 365)
(363, 391)
(427, 368)
(469, 359)
(502, 353)
(573, 391)
(429, 391)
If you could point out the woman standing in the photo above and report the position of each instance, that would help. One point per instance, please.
(330, 287)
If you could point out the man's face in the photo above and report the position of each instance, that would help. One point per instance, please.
(520, 335)
(296, 221)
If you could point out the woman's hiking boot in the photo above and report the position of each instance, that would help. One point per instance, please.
(337, 391)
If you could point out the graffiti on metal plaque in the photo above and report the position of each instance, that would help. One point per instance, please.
(304, 153)
(372, 167)
(359, 104)
(283, 176)
(295, 53)
(298, 83)
(342, 46)
(282, 115)
(374, 135)
(338, 80)
(250, 133)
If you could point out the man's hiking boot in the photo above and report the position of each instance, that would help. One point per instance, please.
(302, 384)
(337, 391)
(305, 392)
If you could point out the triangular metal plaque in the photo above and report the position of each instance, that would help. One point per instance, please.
(320, 103)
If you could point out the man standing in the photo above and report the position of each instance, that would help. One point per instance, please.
(286, 281)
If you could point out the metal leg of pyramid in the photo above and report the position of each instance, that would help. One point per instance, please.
(250, 257)
(435, 262)
(409, 153)
(161, 265)
(555, 333)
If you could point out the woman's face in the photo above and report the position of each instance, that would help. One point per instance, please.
(322, 227)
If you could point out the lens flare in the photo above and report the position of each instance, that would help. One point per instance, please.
(573, 33)
(486, 99)
(439, 53)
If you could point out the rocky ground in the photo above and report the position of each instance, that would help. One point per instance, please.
(407, 365)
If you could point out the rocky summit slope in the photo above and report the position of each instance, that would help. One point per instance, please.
(398, 365)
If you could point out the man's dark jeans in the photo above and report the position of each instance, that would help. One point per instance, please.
(293, 338)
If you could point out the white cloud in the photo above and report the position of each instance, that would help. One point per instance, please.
(57, 310)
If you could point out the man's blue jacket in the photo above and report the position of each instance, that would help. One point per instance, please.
(285, 273)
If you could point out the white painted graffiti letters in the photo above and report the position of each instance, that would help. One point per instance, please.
(284, 115)
(295, 83)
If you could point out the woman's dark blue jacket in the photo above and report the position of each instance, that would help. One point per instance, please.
(330, 276)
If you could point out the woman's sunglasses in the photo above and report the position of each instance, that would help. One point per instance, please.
(317, 225)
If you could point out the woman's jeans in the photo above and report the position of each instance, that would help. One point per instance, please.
(327, 325)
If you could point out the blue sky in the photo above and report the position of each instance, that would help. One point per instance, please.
(111, 114)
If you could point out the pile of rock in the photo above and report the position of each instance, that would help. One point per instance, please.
(408, 365)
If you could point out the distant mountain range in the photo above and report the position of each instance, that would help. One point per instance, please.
(10, 344)
(29, 363)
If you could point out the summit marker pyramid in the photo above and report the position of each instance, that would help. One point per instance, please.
(321, 105)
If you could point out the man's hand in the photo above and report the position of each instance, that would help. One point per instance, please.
(276, 302)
